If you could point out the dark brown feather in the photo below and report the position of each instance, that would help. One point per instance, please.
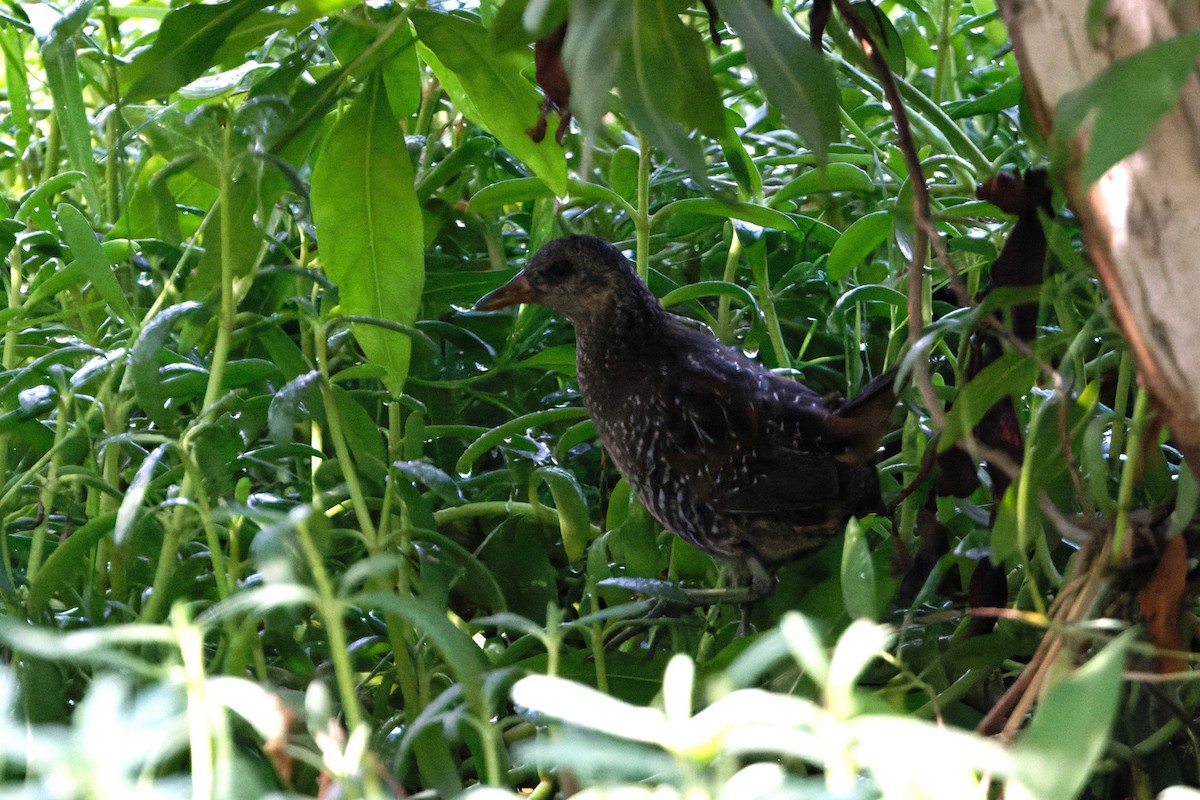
(740, 462)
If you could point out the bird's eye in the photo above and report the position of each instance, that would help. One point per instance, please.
(557, 271)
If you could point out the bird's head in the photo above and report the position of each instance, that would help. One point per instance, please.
(581, 277)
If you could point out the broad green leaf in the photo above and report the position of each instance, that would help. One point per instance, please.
(858, 573)
(670, 56)
(1006, 95)
(477, 581)
(1070, 728)
(623, 170)
(241, 244)
(88, 253)
(187, 40)
(859, 241)
(423, 472)
(598, 32)
(1127, 100)
(488, 87)
(395, 59)
(644, 66)
(794, 76)
(369, 226)
(1011, 375)
(558, 358)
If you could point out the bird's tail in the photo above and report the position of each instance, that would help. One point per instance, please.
(858, 424)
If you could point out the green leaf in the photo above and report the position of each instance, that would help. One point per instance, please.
(462, 656)
(574, 518)
(858, 573)
(144, 363)
(241, 243)
(16, 81)
(598, 31)
(747, 212)
(833, 178)
(859, 241)
(1006, 95)
(1011, 375)
(670, 57)
(623, 170)
(70, 109)
(884, 33)
(514, 427)
(503, 193)
(87, 252)
(1127, 100)
(488, 87)
(68, 560)
(1071, 726)
(369, 226)
(187, 40)
(794, 76)
(135, 495)
(641, 96)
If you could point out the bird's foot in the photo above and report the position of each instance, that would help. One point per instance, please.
(672, 600)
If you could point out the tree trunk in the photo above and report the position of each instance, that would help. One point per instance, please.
(1141, 220)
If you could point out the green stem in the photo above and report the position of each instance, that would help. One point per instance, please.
(228, 310)
(1116, 444)
(766, 301)
(199, 718)
(641, 222)
(1131, 472)
(9, 356)
(49, 490)
(341, 448)
(225, 585)
(724, 314)
(330, 610)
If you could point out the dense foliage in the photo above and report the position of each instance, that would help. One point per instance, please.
(282, 514)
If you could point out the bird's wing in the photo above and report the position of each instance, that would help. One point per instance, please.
(741, 451)
(781, 481)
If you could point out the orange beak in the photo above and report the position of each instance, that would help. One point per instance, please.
(515, 291)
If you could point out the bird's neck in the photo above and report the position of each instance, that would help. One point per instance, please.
(629, 324)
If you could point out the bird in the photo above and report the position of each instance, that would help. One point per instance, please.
(751, 467)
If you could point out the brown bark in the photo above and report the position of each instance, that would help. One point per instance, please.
(1141, 220)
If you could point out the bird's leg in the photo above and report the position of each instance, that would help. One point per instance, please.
(749, 581)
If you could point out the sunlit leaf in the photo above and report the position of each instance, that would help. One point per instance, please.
(488, 87)
(365, 209)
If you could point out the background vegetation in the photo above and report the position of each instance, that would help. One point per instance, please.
(282, 515)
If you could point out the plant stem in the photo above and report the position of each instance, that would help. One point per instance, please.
(330, 610)
(641, 222)
(1131, 472)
